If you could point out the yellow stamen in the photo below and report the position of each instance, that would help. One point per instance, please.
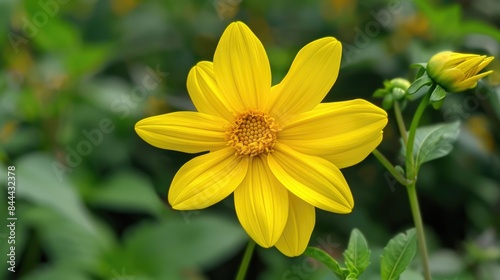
(252, 133)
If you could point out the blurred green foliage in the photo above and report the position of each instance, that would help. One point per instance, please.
(77, 75)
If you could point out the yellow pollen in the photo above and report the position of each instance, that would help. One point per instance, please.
(252, 133)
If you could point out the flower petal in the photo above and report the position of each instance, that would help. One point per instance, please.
(313, 179)
(298, 229)
(311, 76)
(343, 132)
(472, 81)
(262, 204)
(205, 92)
(188, 132)
(207, 179)
(242, 68)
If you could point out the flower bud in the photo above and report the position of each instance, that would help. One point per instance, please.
(457, 72)
(399, 88)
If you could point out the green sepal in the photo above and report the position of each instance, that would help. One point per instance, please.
(387, 102)
(422, 67)
(438, 94)
(380, 93)
(423, 80)
(437, 104)
(437, 97)
(387, 84)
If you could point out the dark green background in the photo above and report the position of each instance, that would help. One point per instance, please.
(97, 210)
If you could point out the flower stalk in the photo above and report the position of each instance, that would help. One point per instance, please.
(412, 171)
(242, 271)
(419, 226)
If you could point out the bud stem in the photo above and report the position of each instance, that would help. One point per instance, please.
(401, 124)
(410, 162)
(388, 165)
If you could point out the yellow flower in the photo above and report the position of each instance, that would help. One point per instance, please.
(277, 148)
(457, 72)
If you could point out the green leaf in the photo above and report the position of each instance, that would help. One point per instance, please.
(448, 21)
(357, 254)
(424, 80)
(88, 58)
(327, 260)
(127, 191)
(164, 249)
(434, 141)
(398, 254)
(57, 35)
(38, 174)
(64, 241)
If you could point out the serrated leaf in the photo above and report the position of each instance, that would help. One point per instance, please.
(326, 259)
(397, 255)
(434, 141)
(357, 254)
(418, 83)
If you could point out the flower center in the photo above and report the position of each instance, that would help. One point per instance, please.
(252, 133)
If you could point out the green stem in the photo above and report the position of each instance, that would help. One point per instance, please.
(411, 175)
(419, 226)
(388, 165)
(401, 124)
(242, 271)
(410, 162)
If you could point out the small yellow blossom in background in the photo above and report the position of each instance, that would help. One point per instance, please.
(277, 148)
(457, 72)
